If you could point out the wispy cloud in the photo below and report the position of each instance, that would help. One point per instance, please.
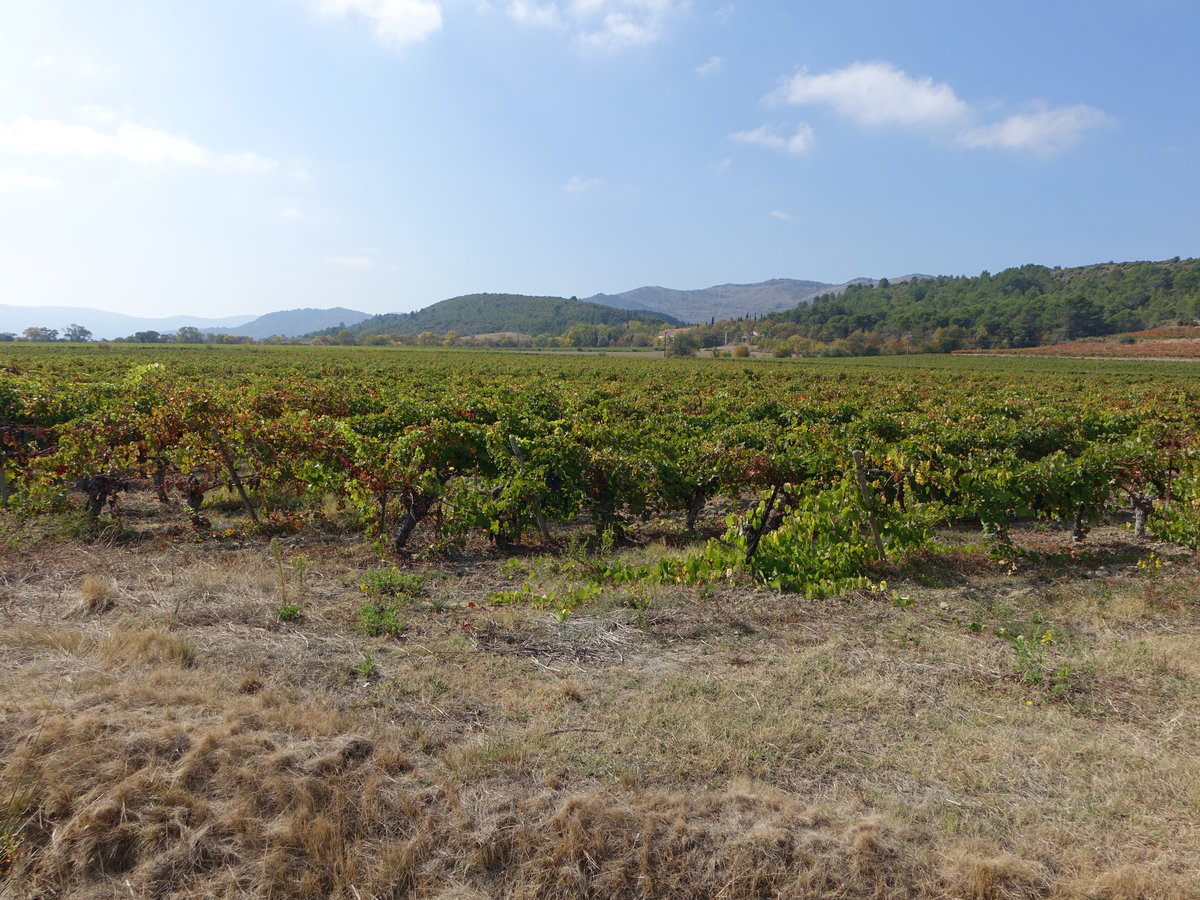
(20, 180)
(800, 141)
(396, 23)
(879, 95)
(780, 215)
(578, 185)
(719, 165)
(1044, 130)
(359, 261)
(530, 12)
(710, 66)
(134, 143)
(605, 25)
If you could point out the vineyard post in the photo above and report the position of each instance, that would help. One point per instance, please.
(227, 458)
(860, 469)
(537, 506)
(3, 484)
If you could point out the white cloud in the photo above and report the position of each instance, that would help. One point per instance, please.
(877, 93)
(69, 64)
(395, 22)
(134, 143)
(719, 165)
(607, 25)
(1045, 130)
(357, 261)
(96, 115)
(766, 136)
(578, 185)
(20, 180)
(710, 66)
(780, 215)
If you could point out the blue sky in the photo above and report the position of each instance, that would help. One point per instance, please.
(216, 158)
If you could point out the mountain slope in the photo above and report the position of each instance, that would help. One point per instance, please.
(1018, 307)
(722, 301)
(295, 322)
(482, 313)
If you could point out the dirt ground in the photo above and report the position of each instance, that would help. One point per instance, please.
(241, 718)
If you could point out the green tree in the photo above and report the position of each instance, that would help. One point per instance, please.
(683, 344)
(190, 334)
(41, 335)
(77, 334)
(949, 338)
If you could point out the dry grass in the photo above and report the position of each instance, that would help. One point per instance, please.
(163, 734)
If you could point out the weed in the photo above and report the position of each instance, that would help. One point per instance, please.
(300, 565)
(1064, 680)
(512, 567)
(379, 619)
(507, 598)
(561, 603)
(277, 555)
(1029, 654)
(10, 848)
(368, 668)
(289, 612)
(390, 582)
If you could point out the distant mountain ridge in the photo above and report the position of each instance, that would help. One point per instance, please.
(105, 325)
(469, 314)
(484, 313)
(731, 301)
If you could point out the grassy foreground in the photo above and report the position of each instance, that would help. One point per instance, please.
(241, 719)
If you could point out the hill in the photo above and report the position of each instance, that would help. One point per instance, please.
(478, 313)
(295, 322)
(1018, 307)
(729, 301)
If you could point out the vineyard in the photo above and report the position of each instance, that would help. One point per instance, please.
(821, 469)
(580, 512)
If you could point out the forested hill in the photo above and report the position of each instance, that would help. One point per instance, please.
(1020, 307)
(483, 313)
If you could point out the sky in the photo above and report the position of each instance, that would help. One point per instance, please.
(229, 157)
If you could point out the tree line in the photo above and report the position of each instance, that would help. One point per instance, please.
(1026, 306)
